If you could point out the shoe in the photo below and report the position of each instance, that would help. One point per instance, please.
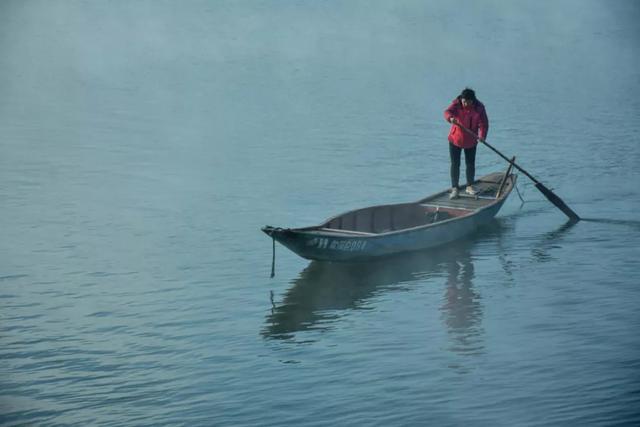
(454, 193)
(470, 190)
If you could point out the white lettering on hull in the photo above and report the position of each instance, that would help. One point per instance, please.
(351, 245)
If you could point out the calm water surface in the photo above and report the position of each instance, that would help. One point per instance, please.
(143, 144)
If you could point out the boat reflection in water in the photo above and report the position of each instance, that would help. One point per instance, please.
(322, 290)
(321, 294)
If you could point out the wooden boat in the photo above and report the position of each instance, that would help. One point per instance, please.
(389, 229)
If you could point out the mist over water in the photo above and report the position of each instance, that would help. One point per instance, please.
(143, 145)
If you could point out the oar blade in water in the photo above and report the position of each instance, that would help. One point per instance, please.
(553, 198)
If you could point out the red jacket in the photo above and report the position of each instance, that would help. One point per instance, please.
(473, 118)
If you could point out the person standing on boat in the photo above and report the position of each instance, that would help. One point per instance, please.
(470, 113)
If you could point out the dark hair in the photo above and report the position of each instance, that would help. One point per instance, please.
(469, 94)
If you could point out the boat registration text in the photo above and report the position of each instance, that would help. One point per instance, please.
(351, 245)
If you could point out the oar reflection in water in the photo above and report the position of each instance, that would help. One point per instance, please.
(322, 290)
(541, 251)
(549, 241)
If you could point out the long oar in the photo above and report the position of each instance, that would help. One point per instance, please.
(553, 198)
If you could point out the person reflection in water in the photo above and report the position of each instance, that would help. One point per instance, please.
(462, 311)
(470, 113)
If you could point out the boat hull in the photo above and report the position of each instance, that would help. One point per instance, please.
(320, 246)
(345, 238)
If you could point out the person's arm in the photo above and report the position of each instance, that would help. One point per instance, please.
(483, 126)
(451, 112)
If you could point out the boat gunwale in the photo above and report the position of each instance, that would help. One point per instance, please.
(336, 233)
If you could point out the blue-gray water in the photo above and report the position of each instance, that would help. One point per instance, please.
(144, 143)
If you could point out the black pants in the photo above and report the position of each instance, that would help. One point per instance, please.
(469, 159)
